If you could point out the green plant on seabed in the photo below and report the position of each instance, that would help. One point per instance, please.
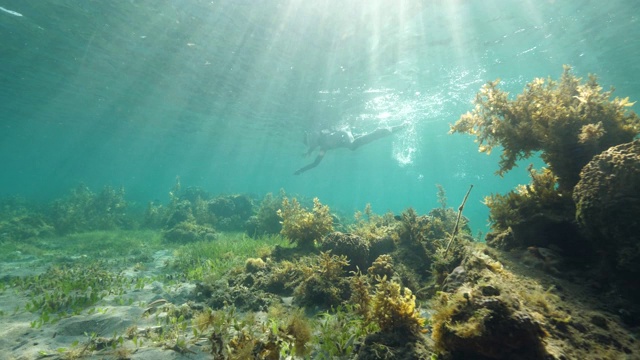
(64, 290)
(340, 331)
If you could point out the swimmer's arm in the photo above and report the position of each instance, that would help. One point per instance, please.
(312, 165)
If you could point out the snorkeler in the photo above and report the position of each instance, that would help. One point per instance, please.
(328, 140)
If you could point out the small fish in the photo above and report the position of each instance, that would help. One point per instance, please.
(15, 13)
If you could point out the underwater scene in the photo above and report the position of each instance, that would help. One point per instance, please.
(319, 179)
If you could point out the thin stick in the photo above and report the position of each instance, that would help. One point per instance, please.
(455, 229)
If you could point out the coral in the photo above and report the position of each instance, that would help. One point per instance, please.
(304, 227)
(394, 308)
(352, 246)
(608, 206)
(568, 121)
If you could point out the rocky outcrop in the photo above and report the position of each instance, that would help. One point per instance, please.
(607, 201)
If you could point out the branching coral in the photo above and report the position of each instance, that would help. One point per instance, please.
(304, 227)
(569, 121)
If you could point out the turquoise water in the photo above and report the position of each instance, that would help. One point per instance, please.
(220, 93)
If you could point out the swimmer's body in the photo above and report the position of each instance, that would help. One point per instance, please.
(326, 140)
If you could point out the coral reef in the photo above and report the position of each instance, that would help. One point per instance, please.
(304, 227)
(237, 299)
(582, 209)
(568, 121)
(493, 311)
(608, 207)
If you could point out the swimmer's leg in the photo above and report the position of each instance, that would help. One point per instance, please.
(375, 135)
